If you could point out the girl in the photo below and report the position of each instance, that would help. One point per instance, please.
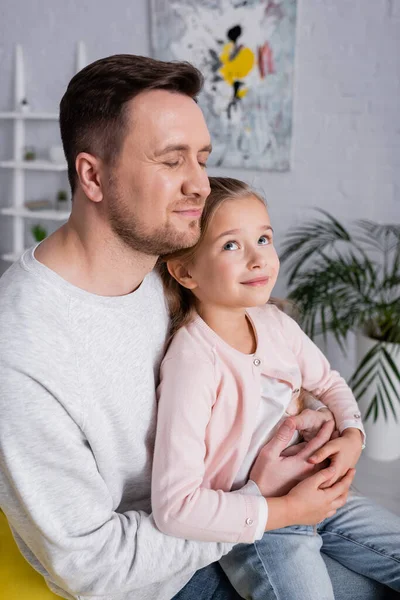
(232, 371)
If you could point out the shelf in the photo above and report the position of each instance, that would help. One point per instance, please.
(25, 213)
(11, 257)
(38, 116)
(20, 213)
(33, 165)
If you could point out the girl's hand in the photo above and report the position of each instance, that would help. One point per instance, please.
(311, 501)
(276, 474)
(308, 502)
(343, 452)
(309, 422)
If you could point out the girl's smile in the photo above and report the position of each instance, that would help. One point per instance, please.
(259, 281)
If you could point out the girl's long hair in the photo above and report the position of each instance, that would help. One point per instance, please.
(181, 301)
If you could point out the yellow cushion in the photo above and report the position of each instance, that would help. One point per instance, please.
(18, 581)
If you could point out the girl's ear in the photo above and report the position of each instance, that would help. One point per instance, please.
(180, 272)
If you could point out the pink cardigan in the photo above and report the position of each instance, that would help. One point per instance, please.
(208, 400)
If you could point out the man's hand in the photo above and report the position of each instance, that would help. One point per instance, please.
(309, 422)
(308, 503)
(343, 452)
(311, 503)
(276, 474)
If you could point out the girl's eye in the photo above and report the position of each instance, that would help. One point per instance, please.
(203, 165)
(263, 240)
(231, 246)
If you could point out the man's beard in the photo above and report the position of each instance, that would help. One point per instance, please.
(163, 240)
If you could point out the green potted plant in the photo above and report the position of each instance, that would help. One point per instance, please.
(29, 153)
(62, 199)
(39, 233)
(348, 279)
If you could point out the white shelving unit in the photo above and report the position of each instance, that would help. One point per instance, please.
(17, 211)
(34, 165)
(45, 215)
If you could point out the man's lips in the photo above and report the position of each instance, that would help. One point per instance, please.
(257, 281)
(194, 213)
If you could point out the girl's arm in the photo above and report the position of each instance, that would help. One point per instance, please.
(181, 506)
(319, 379)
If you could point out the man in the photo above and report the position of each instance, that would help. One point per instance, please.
(83, 324)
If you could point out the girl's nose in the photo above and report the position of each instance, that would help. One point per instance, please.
(257, 260)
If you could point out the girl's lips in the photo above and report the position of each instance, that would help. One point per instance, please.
(257, 282)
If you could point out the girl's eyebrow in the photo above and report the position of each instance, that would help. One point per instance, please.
(230, 232)
(234, 231)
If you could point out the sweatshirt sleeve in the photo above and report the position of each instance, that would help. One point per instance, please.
(59, 505)
(319, 379)
(181, 505)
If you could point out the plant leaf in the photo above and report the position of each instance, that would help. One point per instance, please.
(388, 398)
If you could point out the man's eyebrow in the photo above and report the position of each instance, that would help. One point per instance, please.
(181, 148)
(235, 231)
(207, 148)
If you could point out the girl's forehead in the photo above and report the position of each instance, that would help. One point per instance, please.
(238, 210)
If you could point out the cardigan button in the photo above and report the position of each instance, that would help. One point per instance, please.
(357, 416)
(249, 521)
(257, 362)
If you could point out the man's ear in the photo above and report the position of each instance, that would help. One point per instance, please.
(180, 272)
(88, 169)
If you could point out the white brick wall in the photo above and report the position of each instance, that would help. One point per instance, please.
(346, 141)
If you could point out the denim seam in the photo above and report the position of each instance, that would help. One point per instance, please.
(265, 570)
(363, 545)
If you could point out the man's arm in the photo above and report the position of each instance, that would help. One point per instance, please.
(55, 498)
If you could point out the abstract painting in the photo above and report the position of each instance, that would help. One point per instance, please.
(245, 50)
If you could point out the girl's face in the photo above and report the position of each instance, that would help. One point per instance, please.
(236, 264)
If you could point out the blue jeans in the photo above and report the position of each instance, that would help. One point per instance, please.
(211, 583)
(287, 563)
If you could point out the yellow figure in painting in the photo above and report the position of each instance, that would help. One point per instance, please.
(236, 65)
(236, 62)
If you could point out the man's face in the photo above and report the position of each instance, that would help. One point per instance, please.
(155, 193)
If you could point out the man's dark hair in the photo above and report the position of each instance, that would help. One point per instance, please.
(93, 116)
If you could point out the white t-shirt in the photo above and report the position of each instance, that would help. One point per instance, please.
(275, 398)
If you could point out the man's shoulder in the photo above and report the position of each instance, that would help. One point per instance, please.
(32, 311)
(26, 294)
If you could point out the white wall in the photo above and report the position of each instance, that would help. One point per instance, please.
(346, 142)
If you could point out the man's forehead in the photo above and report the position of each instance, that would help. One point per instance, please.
(165, 120)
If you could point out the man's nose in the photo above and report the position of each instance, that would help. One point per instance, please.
(196, 183)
